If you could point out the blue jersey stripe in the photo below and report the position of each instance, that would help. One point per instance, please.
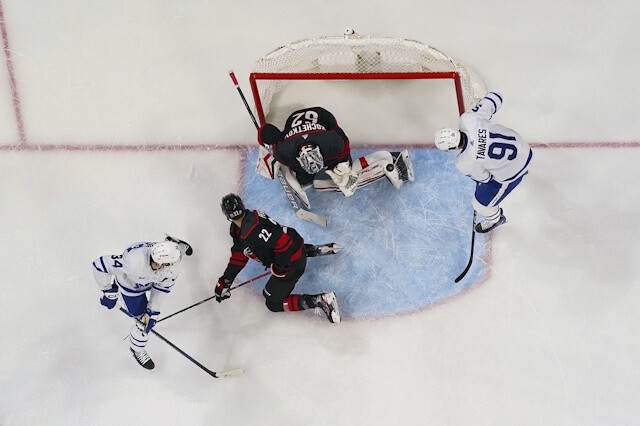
(497, 96)
(495, 107)
(96, 266)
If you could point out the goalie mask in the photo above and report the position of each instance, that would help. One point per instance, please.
(310, 159)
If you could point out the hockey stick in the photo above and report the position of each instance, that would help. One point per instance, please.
(213, 297)
(473, 239)
(216, 374)
(297, 208)
(310, 251)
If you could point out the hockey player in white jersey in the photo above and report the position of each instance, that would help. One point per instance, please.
(143, 267)
(496, 157)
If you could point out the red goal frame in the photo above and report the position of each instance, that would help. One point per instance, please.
(254, 77)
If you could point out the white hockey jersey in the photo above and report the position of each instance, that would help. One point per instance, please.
(132, 272)
(492, 151)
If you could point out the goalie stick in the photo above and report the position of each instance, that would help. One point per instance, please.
(216, 374)
(291, 194)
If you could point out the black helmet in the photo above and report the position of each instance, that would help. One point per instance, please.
(232, 206)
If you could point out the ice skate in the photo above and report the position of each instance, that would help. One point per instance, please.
(331, 248)
(402, 161)
(487, 225)
(329, 305)
(143, 359)
(321, 250)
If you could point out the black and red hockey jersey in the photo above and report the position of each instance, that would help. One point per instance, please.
(263, 239)
(317, 127)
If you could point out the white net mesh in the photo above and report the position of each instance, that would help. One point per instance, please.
(360, 54)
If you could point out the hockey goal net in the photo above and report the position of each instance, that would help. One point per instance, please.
(357, 57)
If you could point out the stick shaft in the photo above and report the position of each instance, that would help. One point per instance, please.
(213, 297)
(180, 351)
(246, 104)
(473, 239)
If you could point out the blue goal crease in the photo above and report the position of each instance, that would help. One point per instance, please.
(402, 247)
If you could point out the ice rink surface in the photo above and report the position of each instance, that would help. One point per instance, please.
(118, 123)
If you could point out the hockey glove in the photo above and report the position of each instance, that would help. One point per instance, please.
(223, 289)
(109, 297)
(183, 244)
(150, 319)
(279, 271)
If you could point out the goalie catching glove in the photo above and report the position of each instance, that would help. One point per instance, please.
(344, 176)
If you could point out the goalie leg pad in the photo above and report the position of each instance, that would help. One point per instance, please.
(393, 175)
(383, 163)
(404, 166)
(266, 165)
(325, 185)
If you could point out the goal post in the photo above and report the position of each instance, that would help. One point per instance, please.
(357, 57)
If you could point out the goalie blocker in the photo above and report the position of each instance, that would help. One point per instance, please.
(314, 149)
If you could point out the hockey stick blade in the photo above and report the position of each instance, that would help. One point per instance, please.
(311, 217)
(188, 250)
(228, 373)
(461, 276)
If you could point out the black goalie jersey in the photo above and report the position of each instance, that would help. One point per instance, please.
(315, 126)
(265, 240)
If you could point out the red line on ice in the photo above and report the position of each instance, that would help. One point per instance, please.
(12, 78)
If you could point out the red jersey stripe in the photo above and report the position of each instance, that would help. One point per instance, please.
(295, 256)
(284, 242)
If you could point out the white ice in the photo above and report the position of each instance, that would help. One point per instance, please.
(550, 338)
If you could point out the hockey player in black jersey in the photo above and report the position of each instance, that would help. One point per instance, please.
(257, 236)
(317, 151)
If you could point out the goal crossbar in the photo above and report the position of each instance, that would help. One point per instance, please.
(256, 76)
